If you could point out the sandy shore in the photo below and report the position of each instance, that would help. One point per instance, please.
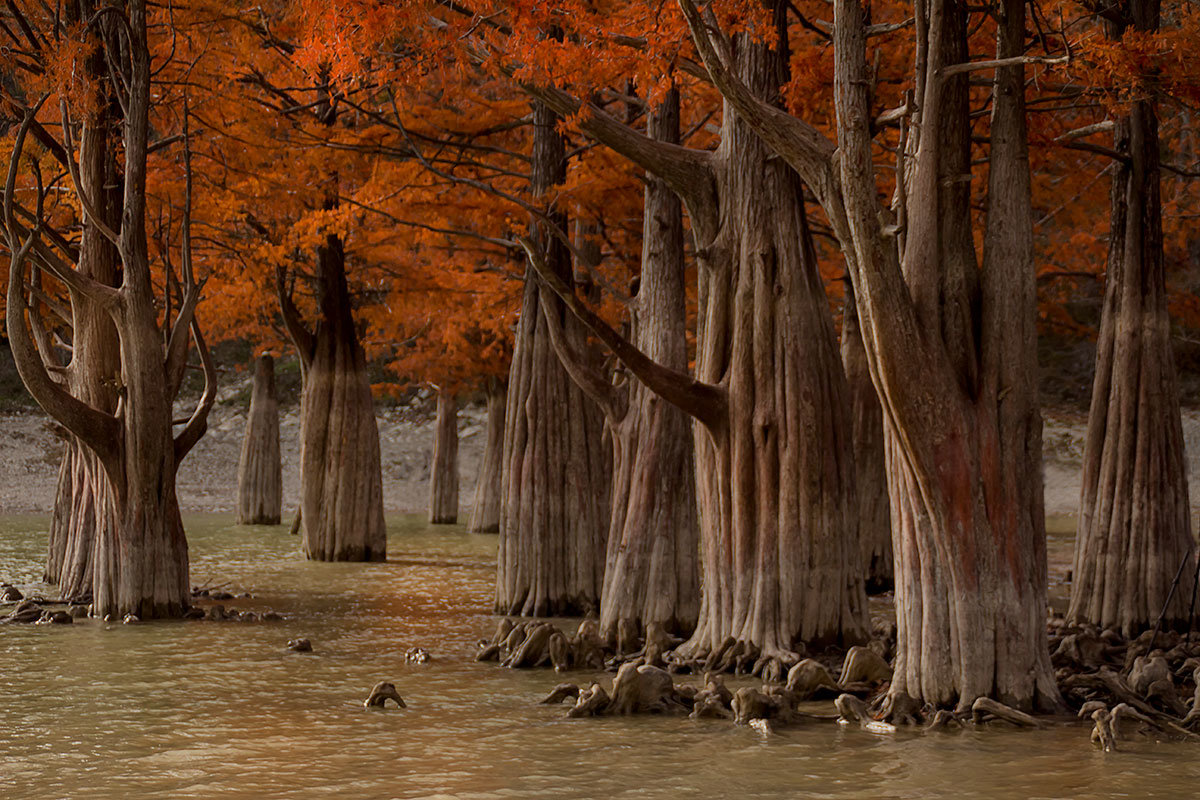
(29, 456)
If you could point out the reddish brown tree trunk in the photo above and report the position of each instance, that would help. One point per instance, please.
(1134, 533)
(871, 485)
(260, 471)
(485, 512)
(951, 349)
(554, 516)
(443, 472)
(652, 567)
(341, 483)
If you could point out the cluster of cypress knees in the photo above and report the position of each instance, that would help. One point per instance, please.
(1124, 688)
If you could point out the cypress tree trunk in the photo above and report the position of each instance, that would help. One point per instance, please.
(443, 474)
(83, 502)
(485, 512)
(651, 571)
(260, 472)
(341, 483)
(139, 561)
(951, 349)
(1134, 524)
(871, 485)
(774, 466)
(554, 515)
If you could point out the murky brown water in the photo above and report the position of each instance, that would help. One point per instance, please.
(207, 710)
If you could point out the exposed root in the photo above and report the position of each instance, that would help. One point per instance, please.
(383, 692)
(984, 709)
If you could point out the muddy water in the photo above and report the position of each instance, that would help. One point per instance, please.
(208, 710)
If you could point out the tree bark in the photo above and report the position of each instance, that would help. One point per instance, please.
(774, 467)
(1134, 534)
(554, 516)
(871, 485)
(139, 561)
(485, 512)
(341, 483)
(260, 471)
(443, 473)
(83, 502)
(651, 573)
(963, 440)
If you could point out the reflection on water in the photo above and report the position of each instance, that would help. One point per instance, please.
(221, 709)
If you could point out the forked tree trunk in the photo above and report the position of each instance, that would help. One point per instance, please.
(964, 441)
(260, 471)
(871, 485)
(485, 512)
(140, 561)
(554, 515)
(951, 350)
(1134, 535)
(341, 483)
(83, 501)
(774, 466)
(651, 573)
(443, 473)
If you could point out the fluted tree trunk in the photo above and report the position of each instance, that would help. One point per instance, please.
(443, 472)
(951, 347)
(871, 487)
(341, 479)
(83, 501)
(651, 573)
(139, 562)
(774, 467)
(485, 511)
(554, 514)
(260, 471)
(1134, 534)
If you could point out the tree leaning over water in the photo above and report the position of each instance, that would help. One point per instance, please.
(139, 561)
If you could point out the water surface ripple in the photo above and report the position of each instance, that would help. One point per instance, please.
(222, 709)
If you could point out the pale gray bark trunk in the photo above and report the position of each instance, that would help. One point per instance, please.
(443, 472)
(485, 512)
(260, 470)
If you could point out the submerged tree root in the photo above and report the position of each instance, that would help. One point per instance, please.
(1148, 686)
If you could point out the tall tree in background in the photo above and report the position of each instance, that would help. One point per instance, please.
(651, 570)
(1134, 538)
(443, 470)
(260, 470)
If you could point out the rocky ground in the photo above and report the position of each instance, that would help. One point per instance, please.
(29, 454)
